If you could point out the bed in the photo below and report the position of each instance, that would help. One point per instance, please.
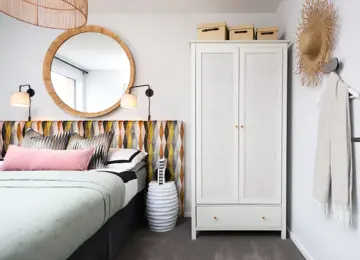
(51, 214)
(82, 215)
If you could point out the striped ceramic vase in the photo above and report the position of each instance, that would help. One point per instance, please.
(162, 206)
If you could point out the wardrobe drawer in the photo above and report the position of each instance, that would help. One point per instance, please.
(238, 218)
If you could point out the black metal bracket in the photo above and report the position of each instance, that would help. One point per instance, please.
(31, 93)
(149, 93)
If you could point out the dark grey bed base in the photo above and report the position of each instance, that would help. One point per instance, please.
(107, 242)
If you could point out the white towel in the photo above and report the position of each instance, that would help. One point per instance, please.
(333, 166)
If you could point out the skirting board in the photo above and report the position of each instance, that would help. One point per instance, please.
(300, 246)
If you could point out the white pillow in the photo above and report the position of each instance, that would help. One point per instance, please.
(124, 159)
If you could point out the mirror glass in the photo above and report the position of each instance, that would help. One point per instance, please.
(90, 72)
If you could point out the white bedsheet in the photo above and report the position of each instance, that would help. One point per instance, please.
(131, 189)
(48, 215)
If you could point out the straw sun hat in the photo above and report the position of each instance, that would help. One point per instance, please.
(315, 40)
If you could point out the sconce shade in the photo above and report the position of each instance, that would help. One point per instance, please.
(56, 14)
(129, 101)
(20, 99)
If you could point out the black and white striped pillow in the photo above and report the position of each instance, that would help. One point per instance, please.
(124, 159)
(35, 140)
(101, 143)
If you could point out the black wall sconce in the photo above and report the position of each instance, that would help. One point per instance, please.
(130, 100)
(23, 99)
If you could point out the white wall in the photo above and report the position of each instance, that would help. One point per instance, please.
(159, 44)
(112, 84)
(321, 237)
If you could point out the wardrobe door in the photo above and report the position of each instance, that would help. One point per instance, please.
(217, 69)
(261, 88)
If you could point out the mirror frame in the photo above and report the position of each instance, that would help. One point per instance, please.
(57, 43)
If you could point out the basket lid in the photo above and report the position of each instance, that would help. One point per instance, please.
(211, 25)
(241, 27)
(267, 29)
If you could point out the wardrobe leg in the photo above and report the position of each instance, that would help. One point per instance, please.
(193, 234)
(283, 234)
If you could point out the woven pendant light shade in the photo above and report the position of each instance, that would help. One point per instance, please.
(56, 14)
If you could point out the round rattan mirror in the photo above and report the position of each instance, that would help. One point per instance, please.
(87, 70)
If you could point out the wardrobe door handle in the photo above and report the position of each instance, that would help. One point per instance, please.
(242, 126)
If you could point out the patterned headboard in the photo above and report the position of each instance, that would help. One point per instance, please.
(158, 138)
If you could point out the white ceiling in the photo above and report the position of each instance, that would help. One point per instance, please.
(94, 51)
(184, 6)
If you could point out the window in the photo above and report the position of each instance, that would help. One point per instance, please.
(65, 88)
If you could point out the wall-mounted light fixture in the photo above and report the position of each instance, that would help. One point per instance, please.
(23, 99)
(130, 100)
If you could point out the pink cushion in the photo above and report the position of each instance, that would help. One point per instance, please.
(25, 159)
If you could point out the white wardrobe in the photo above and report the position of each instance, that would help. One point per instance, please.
(239, 112)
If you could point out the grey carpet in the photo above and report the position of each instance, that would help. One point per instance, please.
(177, 245)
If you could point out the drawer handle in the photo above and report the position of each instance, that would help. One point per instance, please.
(264, 218)
(215, 218)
